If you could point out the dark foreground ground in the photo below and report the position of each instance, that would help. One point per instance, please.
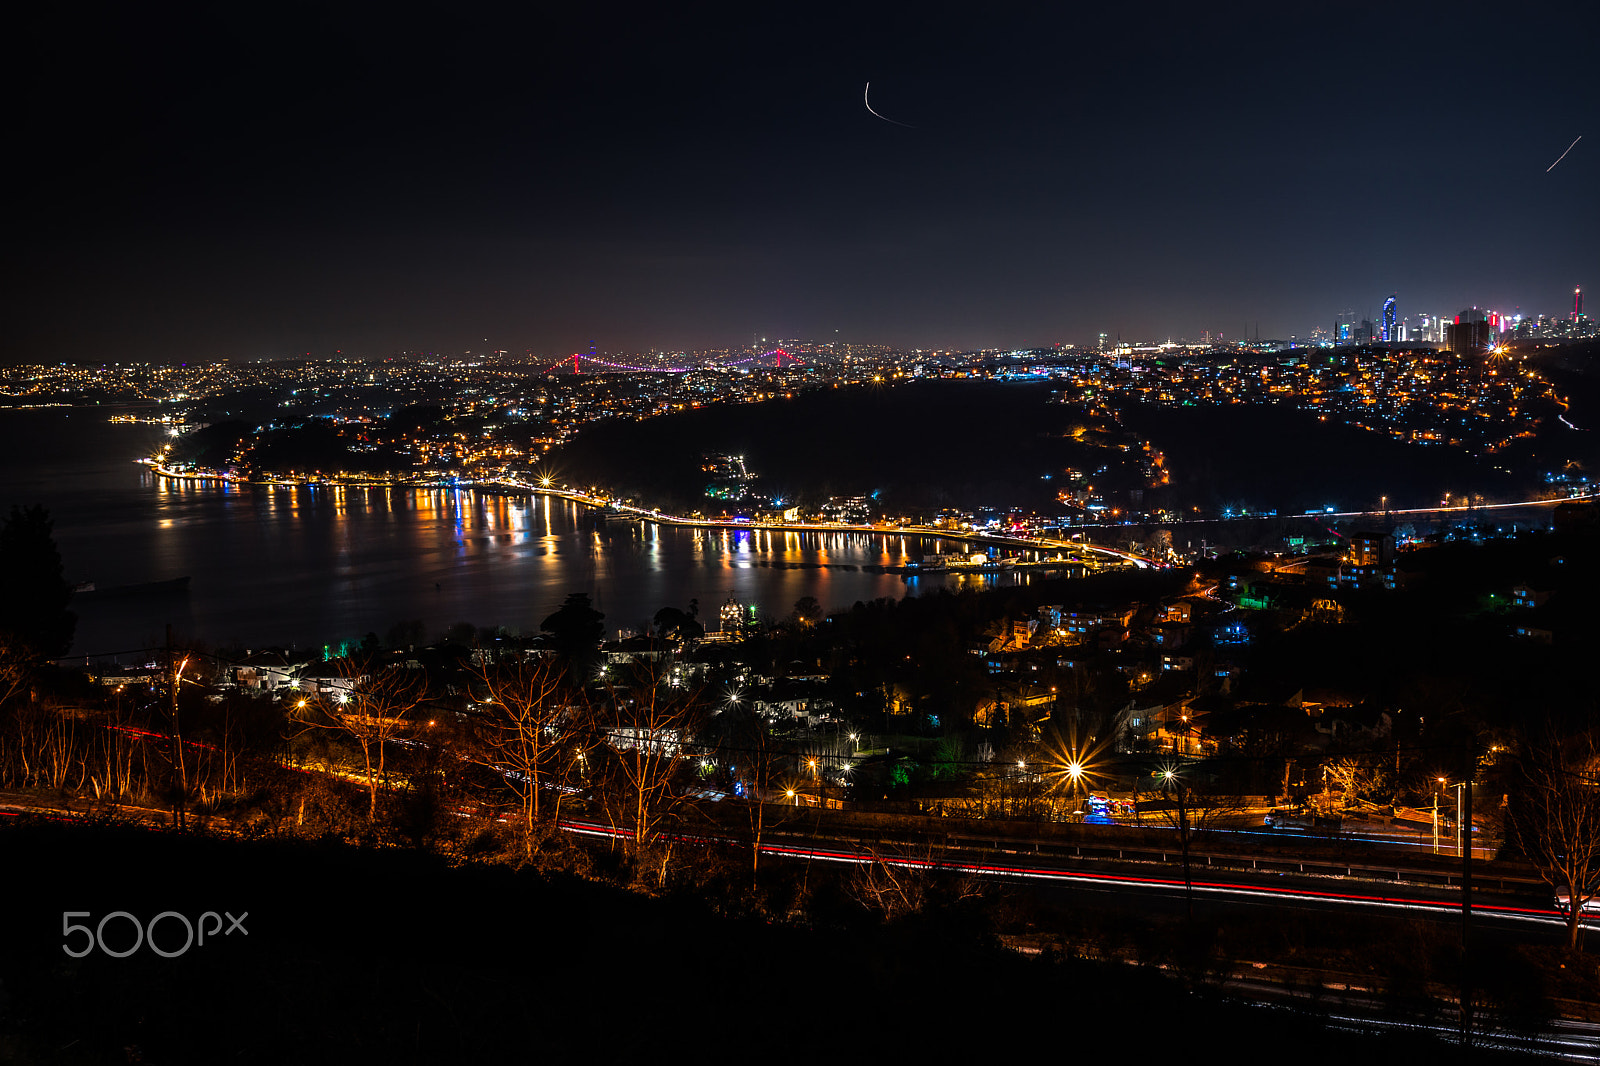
(395, 956)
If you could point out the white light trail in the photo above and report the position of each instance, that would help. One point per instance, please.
(1547, 169)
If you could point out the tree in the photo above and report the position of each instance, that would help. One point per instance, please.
(673, 624)
(898, 883)
(1358, 779)
(1159, 544)
(1189, 810)
(575, 631)
(808, 611)
(528, 735)
(35, 624)
(403, 636)
(1555, 815)
(646, 755)
(464, 634)
(374, 705)
(756, 762)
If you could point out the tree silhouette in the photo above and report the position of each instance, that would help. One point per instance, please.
(673, 624)
(757, 762)
(808, 611)
(1555, 814)
(531, 735)
(575, 630)
(34, 620)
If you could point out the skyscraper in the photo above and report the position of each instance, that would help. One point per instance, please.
(1469, 334)
(1577, 303)
(1344, 327)
(1389, 331)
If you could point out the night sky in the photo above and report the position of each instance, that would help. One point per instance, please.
(268, 180)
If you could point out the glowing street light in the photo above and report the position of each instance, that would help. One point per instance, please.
(1436, 814)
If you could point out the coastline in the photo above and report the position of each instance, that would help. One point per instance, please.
(645, 514)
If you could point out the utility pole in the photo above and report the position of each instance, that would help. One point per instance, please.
(1174, 788)
(181, 788)
(1183, 840)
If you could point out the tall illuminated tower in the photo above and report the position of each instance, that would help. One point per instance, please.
(1389, 332)
(1577, 303)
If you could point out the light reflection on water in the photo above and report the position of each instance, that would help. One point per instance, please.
(280, 564)
(288, 565)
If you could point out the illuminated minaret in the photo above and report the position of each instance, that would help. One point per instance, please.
(1577, 303)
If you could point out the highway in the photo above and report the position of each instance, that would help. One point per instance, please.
(1268, 887)
(1349, 1003)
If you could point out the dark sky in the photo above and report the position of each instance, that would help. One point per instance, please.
(266, 180)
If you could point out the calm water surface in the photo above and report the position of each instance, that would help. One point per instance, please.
(311, 565)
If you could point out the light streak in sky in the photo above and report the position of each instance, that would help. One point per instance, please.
(1547, 169)
(865, 92)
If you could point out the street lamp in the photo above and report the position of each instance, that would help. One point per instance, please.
(1174, 788)
(1460, 787)
(1436, 815)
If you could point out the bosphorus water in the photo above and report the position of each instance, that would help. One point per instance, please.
(298, 566)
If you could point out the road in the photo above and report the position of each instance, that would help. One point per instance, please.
(1341, 1003)
(652, 515)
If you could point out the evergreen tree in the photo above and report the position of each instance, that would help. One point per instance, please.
(575, 631)
(34, 620)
